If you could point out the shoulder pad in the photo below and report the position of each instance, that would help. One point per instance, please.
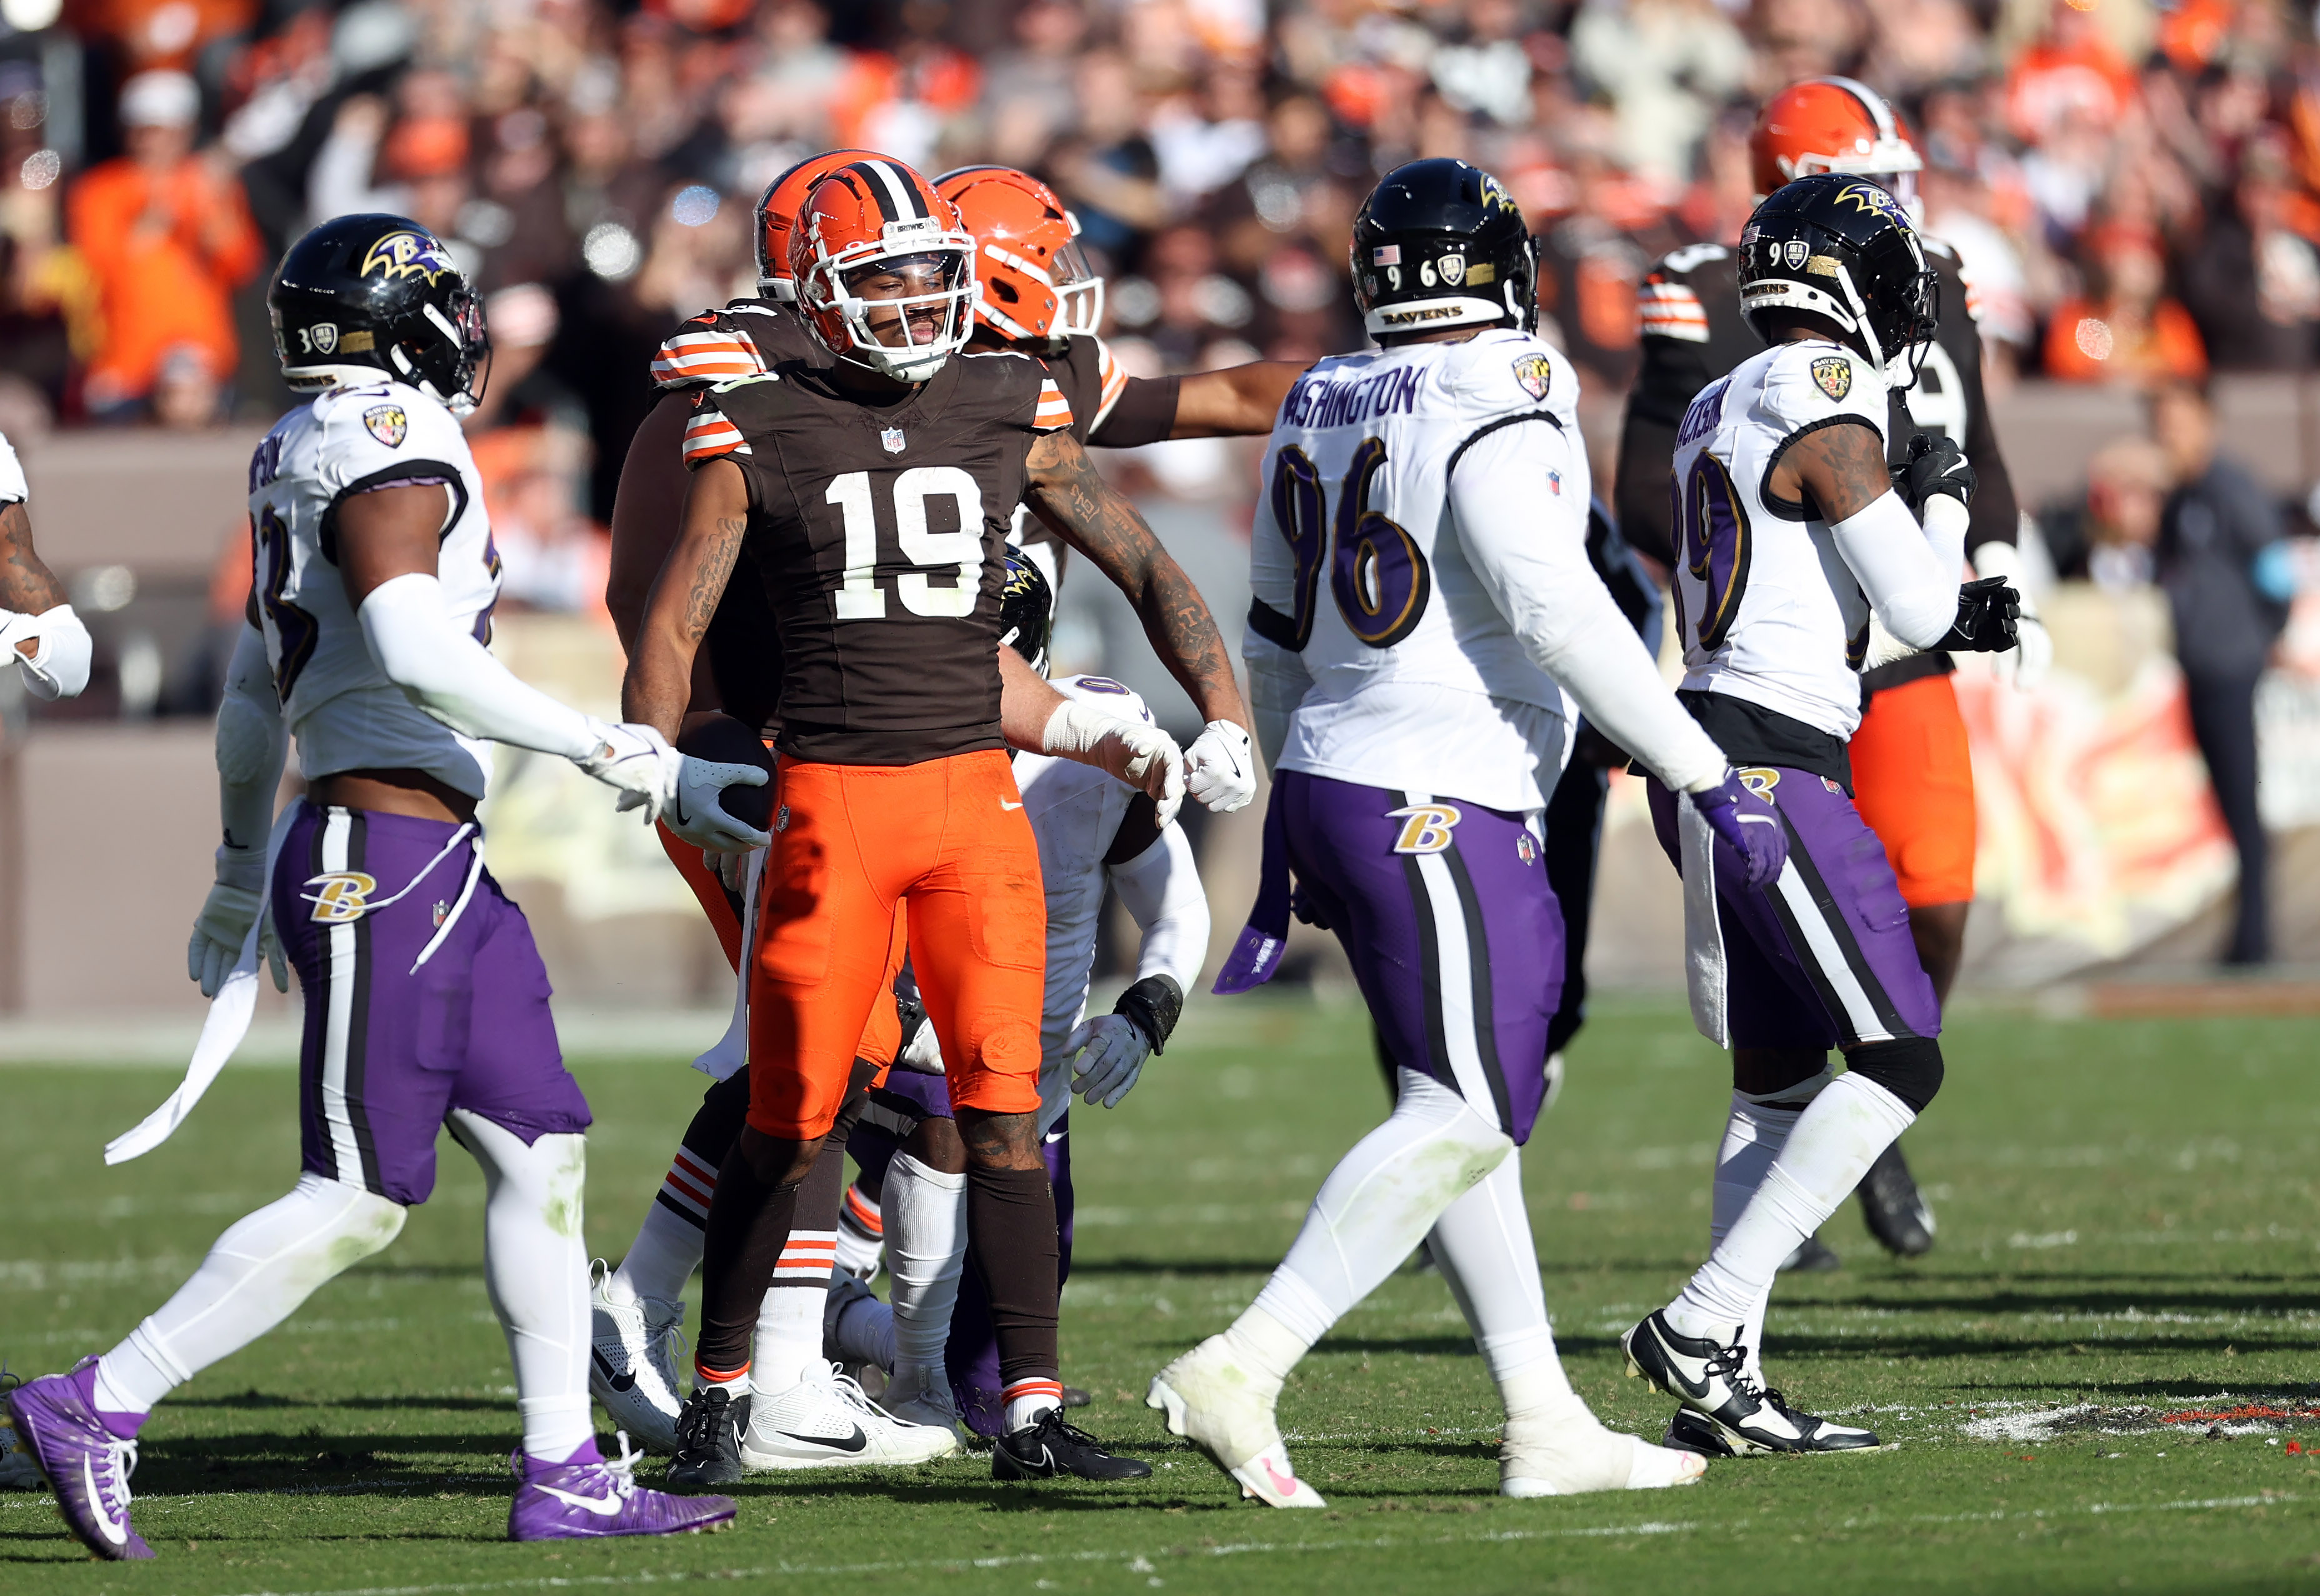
(1107, 695)
(1814, 382)
(1936, 248)
(1510, 371)
(12, 488)
(705, 350)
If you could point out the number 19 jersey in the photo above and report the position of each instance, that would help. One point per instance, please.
(1418, 681)
(1767, 609)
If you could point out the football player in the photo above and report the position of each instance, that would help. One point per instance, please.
(44, 638)
(876, 494)
(1794, 537)
(1914, 778)
(1425, 617)
(426, 1006)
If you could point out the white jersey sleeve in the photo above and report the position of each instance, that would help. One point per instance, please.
(14, 490)
(344, 712)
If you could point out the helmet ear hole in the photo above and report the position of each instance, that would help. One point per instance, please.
(1005, 292)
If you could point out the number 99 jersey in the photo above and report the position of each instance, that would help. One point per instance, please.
(1767, 609)
(335, 699)
(1418, 679)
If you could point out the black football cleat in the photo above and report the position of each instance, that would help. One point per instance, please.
(1695, 1432)
(1712, 1381)
(709, 1439)
(1812, 1256)
(1052, 1449)
(1895, 1210)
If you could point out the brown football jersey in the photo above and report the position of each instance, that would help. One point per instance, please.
(879, 533)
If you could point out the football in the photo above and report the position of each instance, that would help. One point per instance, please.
(725, 740)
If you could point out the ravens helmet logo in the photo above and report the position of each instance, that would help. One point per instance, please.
(406, 255)
(1869, 196)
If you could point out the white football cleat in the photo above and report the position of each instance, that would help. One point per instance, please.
(923, 1396)
(632, 1363)
(1214, 1404)
(1543, 1457)
(824, 1422)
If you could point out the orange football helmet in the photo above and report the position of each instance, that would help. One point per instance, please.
(877, 219)
(1831, 124)
(777, 208)
(1037, 284)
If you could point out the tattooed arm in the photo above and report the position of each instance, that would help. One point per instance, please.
(1088, 514)
(684, 597)
(27, 585)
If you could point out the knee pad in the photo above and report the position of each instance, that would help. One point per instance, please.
(1793, 1096)
(1910, 1069)
(1421, 1099)
(551, 1170)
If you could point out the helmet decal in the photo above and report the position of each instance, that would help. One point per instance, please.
(406, 255)
(1869, 196)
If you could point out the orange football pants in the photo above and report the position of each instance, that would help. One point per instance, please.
(852, 844)
(1913, 783)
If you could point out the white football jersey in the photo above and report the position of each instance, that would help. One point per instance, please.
(335, 699)
(1418, 681)
(1074, 810)
(1766, 607)
(12, 490)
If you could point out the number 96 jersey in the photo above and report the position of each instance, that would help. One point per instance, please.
(344, 712)
(1766, 607)
(1358, 569)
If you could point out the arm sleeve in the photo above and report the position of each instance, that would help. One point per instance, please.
(251, 744)
(456, 680)
(1912, 588)
(1162, 890)
(1145, 412)
(1528, 544)
(1996, 513)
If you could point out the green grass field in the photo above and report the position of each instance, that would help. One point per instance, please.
(2128, 1231)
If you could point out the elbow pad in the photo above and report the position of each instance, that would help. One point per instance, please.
(1888, 554)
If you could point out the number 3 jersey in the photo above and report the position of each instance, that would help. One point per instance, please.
(336, 701)
(1358, 568)
(879, 532)
(1767, 609)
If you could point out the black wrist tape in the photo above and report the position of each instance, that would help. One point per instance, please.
(1153, 1006)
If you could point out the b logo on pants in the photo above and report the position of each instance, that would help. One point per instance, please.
(1425, 828)
(345, 896)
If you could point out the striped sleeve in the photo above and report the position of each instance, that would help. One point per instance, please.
(1112, 380)
(704, 353)
(1672, 310)
(1054, 411)
(709, 436)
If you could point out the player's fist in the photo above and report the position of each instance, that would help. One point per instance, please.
(1144, 756)
(1936, 466)
(698, 814)
(1988, 613)
(1747, 824)
(1106, 1054)
(639, 761)
(224, 922)
(1221, 767)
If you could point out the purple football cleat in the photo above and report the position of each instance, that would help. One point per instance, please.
(600, 1496)
(87, 1465)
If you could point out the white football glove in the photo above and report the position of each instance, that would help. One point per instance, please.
(224, 920)
(921, 1048)
(57, 665)
(639, 761)
(1221, 767)
(1108, 1055)
(698, 815)
(1142, 755)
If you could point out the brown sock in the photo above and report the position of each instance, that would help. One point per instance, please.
(1010, 1243)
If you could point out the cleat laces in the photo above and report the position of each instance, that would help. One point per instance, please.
(623, 1470)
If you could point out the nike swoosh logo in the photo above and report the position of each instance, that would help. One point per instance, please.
(622, 1382)
(114, 1531)
(603, 1507)
(1004, 805)
(853, 1442)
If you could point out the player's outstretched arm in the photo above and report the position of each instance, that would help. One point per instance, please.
(1238, 402)
(1089, 514)
(653, 483)
(685, 595)
(1034, 716)
(37, 626)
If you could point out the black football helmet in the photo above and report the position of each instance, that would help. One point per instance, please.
(369, 294)
(1027, 610)
(1439, 243)
(1843, 248)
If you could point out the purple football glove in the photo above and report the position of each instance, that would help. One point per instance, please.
(1746, 824)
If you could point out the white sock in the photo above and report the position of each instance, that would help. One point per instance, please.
(1376, 1206)
(925, 1215)
(1755, 1132)
(1026, 1399)
(536, 1269)
(1482, 1246)
(789, 1321)
(255, 1276)
(1832, 1147)
(669, 1245)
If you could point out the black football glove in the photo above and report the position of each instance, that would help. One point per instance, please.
(1987, 611)
(1936, 466)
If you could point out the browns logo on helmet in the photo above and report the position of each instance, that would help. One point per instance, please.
(1037, 284)
(875, 250)
(778, 210)
(1832, 124)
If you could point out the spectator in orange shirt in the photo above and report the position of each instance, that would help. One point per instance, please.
(2125, 328)
(168, 236)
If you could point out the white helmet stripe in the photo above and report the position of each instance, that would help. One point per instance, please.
(900, 196)
(1871, 101)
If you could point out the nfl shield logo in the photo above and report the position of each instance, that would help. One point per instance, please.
(1524, 848)
(892, 438)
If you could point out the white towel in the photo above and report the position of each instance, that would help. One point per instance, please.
(725, 1060)
(1704, 968)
